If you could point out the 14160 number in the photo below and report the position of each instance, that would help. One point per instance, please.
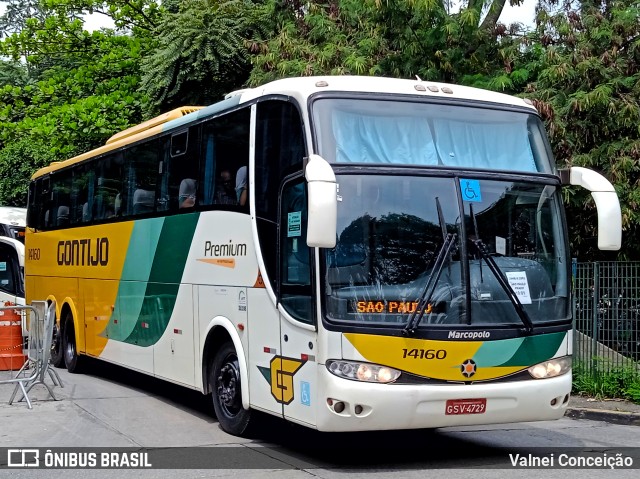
(424, 353)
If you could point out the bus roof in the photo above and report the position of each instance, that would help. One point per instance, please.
(300, 88)
(14, 216)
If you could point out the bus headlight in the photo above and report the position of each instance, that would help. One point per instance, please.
(551, 368)
(372, 373)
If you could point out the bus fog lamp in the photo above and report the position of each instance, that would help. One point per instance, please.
(366, 372)
(551, 368)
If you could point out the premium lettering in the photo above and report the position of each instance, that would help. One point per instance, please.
(231, 249)
(84, 252)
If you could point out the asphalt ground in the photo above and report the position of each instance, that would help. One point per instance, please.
(123, 401)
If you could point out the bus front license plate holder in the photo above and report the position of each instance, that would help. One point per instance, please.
(465, 406)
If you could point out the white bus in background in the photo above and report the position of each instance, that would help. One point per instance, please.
(11, 271)
(13, 222)
(12, 225)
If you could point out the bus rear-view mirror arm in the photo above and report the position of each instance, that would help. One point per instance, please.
(607, 204)
(322, 203)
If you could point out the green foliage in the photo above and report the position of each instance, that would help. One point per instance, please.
(203, 52)
(72, 91)
(18, 161)
(603, 383)
(373, 37)
(588, 91)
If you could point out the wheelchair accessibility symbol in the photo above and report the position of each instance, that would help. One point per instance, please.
(305, 393)
(470, 190)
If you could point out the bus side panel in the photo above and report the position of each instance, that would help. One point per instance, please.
(97, 313)
(174, 352)
(223, 301)
(264, 347)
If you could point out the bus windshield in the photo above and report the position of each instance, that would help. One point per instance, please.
(391, 230)
(429, 134)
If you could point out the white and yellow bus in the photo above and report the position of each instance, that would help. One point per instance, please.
(401, 261)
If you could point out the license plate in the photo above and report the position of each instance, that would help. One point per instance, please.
(465, 406)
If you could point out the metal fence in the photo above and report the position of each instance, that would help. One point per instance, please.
(607, 317)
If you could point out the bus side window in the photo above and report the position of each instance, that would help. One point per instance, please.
(279, 151)
(179, 161)
(8, 267)
(225, 147)
(296, 293)
(142, 173)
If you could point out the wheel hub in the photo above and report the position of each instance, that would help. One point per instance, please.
(227, 385)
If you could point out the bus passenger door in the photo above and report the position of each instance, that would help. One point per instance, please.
(297, 380)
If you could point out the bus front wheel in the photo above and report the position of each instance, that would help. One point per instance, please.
(72, 361)
(226, 391)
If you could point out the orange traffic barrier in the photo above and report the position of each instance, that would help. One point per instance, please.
(11, 355)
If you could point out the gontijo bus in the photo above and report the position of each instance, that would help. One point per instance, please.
(401, 262)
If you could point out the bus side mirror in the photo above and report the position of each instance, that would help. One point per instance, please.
(322, 203)
(607, 204)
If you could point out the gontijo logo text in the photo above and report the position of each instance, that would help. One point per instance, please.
(83, 252)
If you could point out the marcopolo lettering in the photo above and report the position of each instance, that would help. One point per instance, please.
(231, 249)
(469, 334)
(84, 252)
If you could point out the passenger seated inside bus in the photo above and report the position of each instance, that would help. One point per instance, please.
(187, 193)
(241, 186)
(225, 193)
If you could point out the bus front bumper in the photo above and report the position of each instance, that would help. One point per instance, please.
(368, 406)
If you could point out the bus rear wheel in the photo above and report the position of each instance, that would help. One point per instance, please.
(72, 361)
(226, 391)
(57, 357)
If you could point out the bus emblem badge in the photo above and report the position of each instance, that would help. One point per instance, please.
(468, 368)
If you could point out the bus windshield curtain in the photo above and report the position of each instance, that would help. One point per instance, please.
(209, 171)
(409, 141)
(489, 145)
(380, 139)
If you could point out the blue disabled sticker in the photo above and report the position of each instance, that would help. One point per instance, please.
(470, 190)
(305, 393)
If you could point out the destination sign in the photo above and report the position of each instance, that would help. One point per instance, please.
(386, 307)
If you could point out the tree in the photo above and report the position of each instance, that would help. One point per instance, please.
(18, 161)
(202, 51)
(79, 89)
(401, 38)
(588, 91)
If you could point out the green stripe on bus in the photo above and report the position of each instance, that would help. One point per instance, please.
(519, 351)
(536, 349)
(135, 274)
(494, 353)
(164, 279)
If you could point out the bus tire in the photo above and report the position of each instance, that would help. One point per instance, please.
(57, 356)
(72, 361)
(225, 383)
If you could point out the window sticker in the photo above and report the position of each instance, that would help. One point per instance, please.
(520, 285)
(501, 245)
(294, 226)
(3, 265)
(470, 190)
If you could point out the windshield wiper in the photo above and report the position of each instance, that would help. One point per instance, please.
(430, 287)
(504, 283)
